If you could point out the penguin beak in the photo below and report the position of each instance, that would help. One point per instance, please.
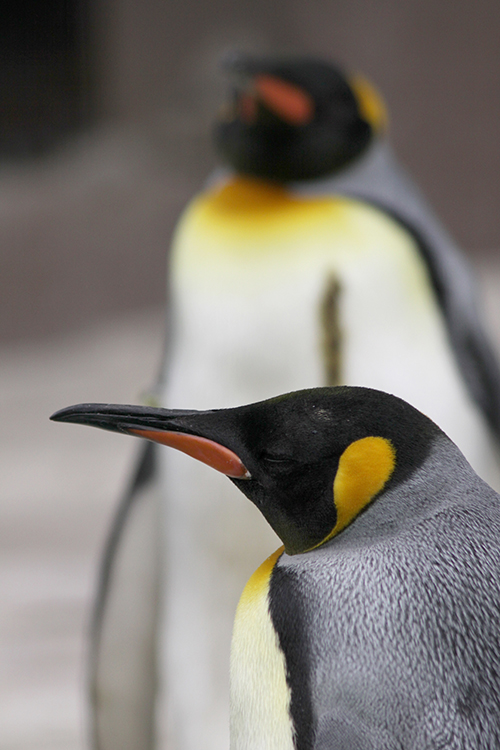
(289, 102)
(165, 426)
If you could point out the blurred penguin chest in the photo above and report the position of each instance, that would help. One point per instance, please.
(260, 694)
(251, 269)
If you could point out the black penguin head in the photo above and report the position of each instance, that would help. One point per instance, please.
(311, 461)
(295, 119)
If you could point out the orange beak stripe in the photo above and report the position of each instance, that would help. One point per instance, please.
(290, 102)
(207, 451)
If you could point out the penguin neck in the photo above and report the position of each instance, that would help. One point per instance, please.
(432, 487)
(377, 178)
(374, 176)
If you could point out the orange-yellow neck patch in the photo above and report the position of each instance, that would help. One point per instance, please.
(253, 218)
(260, 694)
(258, 582)
(364, 468)
(249, 194)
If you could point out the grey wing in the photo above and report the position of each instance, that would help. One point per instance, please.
(378, 179)
(123, 672)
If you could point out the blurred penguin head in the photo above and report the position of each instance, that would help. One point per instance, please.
(296, 118)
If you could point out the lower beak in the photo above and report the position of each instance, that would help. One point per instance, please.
(162, 426)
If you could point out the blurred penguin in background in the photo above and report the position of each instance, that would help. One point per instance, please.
(311, 259)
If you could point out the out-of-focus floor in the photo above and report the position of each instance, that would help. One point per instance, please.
(59, 486)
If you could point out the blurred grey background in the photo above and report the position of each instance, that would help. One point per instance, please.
(105, 129)
(105, 115)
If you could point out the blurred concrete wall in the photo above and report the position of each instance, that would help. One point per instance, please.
(86, 231)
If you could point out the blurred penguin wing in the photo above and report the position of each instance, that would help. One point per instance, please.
(123, 672)
(378, 179)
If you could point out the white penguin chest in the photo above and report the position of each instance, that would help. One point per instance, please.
(260, 695)
(248, 285)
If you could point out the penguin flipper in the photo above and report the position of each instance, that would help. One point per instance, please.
(456, 291)
(123, 672)
(482, 372)
(340, 732)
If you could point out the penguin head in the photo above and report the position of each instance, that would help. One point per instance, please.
(295, 119)
(311, 461)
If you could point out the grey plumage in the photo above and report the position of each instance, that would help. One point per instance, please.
(401, 616)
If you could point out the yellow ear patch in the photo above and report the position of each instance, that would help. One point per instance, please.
(364, 468)
(370, 103)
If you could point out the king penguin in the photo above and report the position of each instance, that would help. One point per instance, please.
(375, 626)
(310, 259)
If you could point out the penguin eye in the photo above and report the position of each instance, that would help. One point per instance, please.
(276, 459)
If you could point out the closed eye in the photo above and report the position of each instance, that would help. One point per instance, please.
(276, 459)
